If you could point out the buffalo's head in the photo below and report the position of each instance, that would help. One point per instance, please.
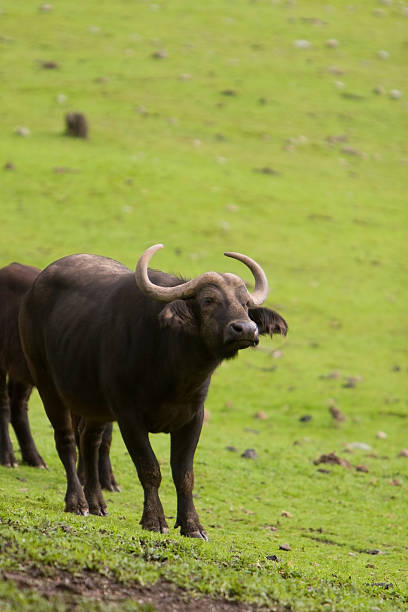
(217, 307)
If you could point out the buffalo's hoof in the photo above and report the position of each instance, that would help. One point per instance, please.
(35, 461)
(10, 463)
(77, 506)
(157, 525)
(110, 485)
(199, 534)
(7, 459)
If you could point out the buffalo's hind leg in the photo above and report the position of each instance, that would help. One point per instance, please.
(90, 441)
(137, 442)
(183, 444)
(7, 457)
(19, 394)
(106, 476)
(64, 436)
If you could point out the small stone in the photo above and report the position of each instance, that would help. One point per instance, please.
(362, 468)
(185, 77)
(9, 166)
(332, 43)
(395, 94)
(160, 54)
(378, 12)
(261, 415)
(50, 65)
(250, 453)
(374, 551)
(284, 547)
(336, 412)
(277, 354)
(273, 558)
(302, 44)
(45, 8)
(333, 459)
(360, 446)
(305, 418)
(61, 98)
(383, 55)
(286, 514)
(356, 153)
(381, 435)
(395, 482)
(404, 453)
(229, 92)
(379, 90)
(232, 449)
(23, 131)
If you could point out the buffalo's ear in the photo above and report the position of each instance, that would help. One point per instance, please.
(178, 315)
(268, 321)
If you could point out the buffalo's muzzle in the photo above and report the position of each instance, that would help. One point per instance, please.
(243, 333)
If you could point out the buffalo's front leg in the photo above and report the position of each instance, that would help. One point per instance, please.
(90, 441)
(19, 394)
(183, 444)
(137, 442)
(7, 457)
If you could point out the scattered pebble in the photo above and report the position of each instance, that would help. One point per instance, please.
(356, 153)
(362, 468)
(332, 43)
(404, 453)
(284, 547)
(305, 418)
(352, 381)
(338, 84)
(250, 453)
(185, 76)
(379, 90)
(61, 98)
(9, 166)
(45, 8)
(360, 446)
(267, 170)
(261, 415)
(385, 585)
(302, 44)
(384, 55)
(373, 551)
(336, 412)
(232, 449)
(333, 459)
(395, 482)
(395, 94)
(229, 92)
(273, 558)
(22, 131)
(286, 514)
(381, 435)
(160, 54)
(50, 65)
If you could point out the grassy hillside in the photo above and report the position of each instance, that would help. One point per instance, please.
(229, 126)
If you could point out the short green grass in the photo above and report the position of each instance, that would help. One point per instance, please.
(177, 154)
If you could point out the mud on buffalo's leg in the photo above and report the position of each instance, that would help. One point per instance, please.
(106, 477)
(19, 394)
(64, 435)
(91, 436)
(183, 445)
(137, 442)
(7, 457)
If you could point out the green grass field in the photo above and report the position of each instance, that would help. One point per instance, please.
(237, 137)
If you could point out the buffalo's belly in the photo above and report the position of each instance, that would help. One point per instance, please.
(169, 417)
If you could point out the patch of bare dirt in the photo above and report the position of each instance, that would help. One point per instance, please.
(71, 589)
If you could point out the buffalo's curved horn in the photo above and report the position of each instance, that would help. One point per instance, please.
(168, 294)
(188, 289)
(258, 296)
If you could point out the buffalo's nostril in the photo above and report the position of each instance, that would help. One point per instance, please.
(237, 327)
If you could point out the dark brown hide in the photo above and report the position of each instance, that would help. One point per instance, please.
(16, 382)
(97, 346)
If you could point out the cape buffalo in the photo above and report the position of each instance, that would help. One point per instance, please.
(140, 348)
(16, 382)
(15, 379)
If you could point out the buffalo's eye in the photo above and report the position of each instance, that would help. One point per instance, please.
(209, 301)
